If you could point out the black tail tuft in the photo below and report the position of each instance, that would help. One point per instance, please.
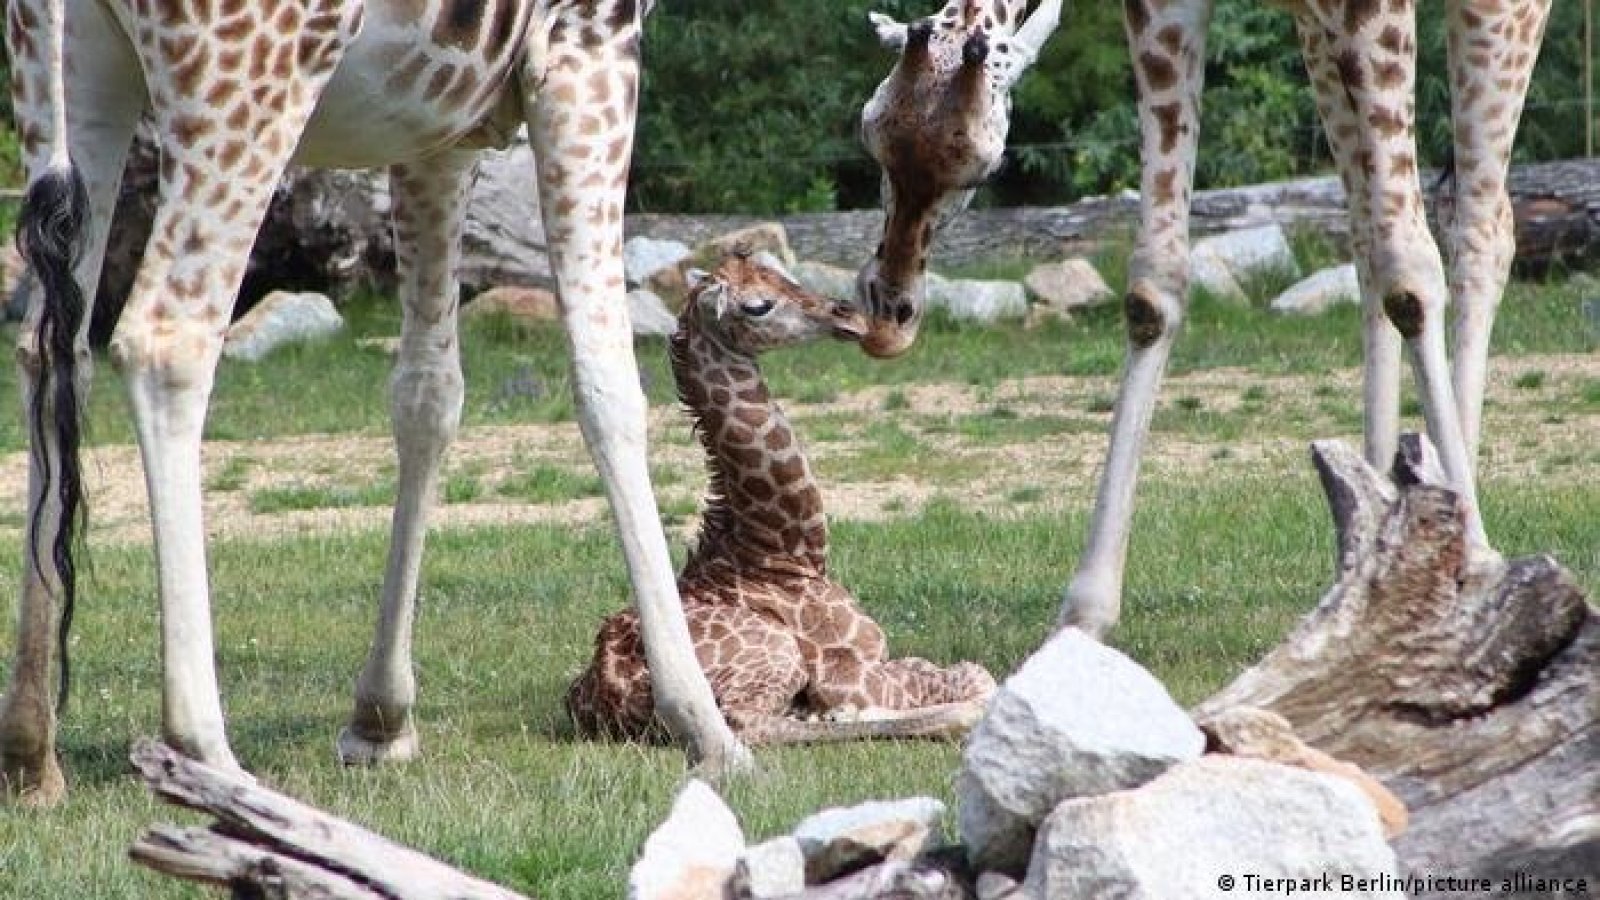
(50, 235)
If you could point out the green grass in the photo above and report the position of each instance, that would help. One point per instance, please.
(551, 484)
(1219, 572)
(520, 374)
(1219, 569)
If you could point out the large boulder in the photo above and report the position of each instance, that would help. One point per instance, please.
(649, 315)
(1077, 719)
(1067, 286)
(1262, 734)
(977, 301)
(770, 870)
(281, 318)
(841, 840)
(524, 305)
(1213, 827)
(1222, 263)
(1320, 291)
(645, 256)
(693, 854)
(829, 281)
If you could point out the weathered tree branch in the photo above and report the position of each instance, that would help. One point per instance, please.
(267, 845)
(1467, 687)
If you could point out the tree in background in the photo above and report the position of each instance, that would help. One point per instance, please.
(754, 105)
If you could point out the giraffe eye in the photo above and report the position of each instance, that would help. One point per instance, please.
(756, 308)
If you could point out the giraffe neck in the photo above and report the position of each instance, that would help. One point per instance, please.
(765, 510)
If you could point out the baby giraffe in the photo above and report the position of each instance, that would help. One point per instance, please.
(777, 638)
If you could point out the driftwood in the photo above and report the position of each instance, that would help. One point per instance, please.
(1470, 690)
(267, 845)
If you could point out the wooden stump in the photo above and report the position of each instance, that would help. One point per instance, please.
(1468, 689)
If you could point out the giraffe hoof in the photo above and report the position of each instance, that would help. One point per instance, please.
(355, 750)
(726, 763)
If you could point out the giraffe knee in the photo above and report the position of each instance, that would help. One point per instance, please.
(1148, 317)
(1405, 311)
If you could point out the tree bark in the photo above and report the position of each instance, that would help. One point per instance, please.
(264, 844)
(1468, 690)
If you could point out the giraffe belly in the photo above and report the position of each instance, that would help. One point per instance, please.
(400, 94)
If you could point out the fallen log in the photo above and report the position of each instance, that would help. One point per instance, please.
(265, 844)
(1468, 688)
(1555, 205)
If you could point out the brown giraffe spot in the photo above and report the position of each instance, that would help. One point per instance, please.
(1168, 117)
(1159, 72)
(1170, 37)
(778, 439)
(1164, 181)
(789, 470)
(1392, 39)
(1357, 13)
(1137, 15)
(1388, 122)
(757, 488)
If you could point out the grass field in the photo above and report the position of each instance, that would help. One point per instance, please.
(960, 480)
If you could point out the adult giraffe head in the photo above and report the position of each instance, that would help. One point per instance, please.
(937, 127)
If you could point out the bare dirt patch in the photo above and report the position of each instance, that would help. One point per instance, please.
(1026, 443)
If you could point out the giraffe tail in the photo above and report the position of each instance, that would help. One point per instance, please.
(945, 721)
(50, 237)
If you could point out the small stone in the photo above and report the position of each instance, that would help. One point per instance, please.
(1249, 252)
(649, 315)
(1077, 719)
(997, 886)
(691, 855)
(1320, 292)
(281, 318)
(1206, 827)
(645, 256)
(772, 869)
(1066, 286)
(841, 840)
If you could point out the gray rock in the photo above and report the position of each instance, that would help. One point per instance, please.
(829, 281)
(649, 315)
(841, 840)
(1068, 285)
(977, 301)
(645, 256)
(1320, 291)
(1216, 818)
(1077, 719)
(281, 318)
(1241, 255)
(775, 868)
(691, 855)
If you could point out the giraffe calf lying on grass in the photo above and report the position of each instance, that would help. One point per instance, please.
(777, 638)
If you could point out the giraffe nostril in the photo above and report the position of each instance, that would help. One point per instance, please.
(903, 313)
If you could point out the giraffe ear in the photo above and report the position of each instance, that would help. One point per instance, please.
(891, 34)
(713, 296)
(694, 277)
(768, 261)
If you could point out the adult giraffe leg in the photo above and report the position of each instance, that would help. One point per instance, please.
(1492, 52)
(102, 102)
(582, 126)
(1375, 53)
(221, 158)
(1167, 43)
(1380, 381)
(425, 401)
